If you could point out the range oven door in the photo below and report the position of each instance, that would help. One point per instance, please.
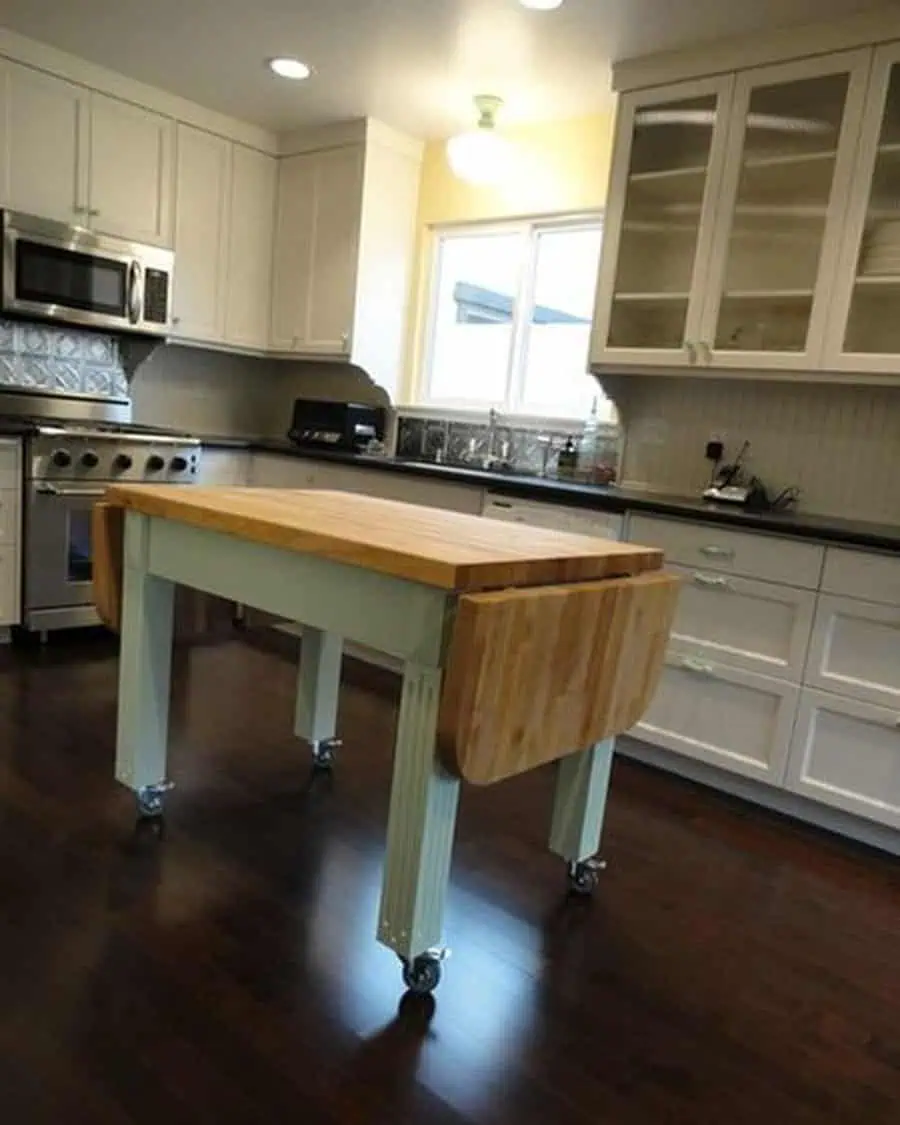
(69, 274)
(58, 549)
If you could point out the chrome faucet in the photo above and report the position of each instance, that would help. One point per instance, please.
(490, 458)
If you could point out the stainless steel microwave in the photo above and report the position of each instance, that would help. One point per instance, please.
(71, 275)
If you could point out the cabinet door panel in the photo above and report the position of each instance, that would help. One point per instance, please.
(131, 166)
(847, 754)
(856, 650)
(250, 248)
(759, 626)
(665, 179)
(43, 126)
(335, 251)
(292, 268)
(201, 224)
(9, 585)
(864, 328)
(790, 161)
(732, 719)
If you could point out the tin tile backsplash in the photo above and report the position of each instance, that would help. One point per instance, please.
(46, 358)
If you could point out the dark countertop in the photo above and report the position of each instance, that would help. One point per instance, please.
(827, 529)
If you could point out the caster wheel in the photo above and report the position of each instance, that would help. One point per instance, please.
(150, 800)
(422, 975)
(324, 753)
(584, 876)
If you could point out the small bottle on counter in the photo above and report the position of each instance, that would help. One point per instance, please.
(567, 462)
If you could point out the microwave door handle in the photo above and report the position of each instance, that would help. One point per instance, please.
(135, 292)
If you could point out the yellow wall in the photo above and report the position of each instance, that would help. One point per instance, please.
(560, 166)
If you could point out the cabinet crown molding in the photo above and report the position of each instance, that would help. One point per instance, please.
(40, 56)
(741, 53)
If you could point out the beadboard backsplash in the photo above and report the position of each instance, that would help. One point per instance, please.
(839, 444)
(40, 357)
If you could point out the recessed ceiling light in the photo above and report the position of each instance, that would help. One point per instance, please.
(541, 5)
(290, 68)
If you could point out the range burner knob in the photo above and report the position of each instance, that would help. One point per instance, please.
(122, 462)
(178, 464)
(155, 463)
(62, 458)
(89, 459)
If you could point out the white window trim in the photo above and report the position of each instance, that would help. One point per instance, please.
(512, 405)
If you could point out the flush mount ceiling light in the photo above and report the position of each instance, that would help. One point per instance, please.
(481, 156)
(290, 68)
(541, 5)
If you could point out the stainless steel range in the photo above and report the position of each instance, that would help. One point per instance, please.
(68, 467)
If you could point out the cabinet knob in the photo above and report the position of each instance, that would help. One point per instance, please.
(705, 352)
(93, 212)
(345, 340)
(713, 552)
(697, 666)
(691, 350)
(76, 210)
(176, 320)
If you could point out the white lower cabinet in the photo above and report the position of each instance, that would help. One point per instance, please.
(724, 716)
(10, 531)
(759, 626)
(855, 650)
(225, 468)
(553, 517)
(846, 753)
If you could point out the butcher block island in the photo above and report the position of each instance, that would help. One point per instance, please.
(519, 647)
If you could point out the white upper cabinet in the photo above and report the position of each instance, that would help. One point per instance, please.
(250, 235)
(344, 246)
(43, 141)
(201, 235)
(666, 173)
(865, 329)
(788, 167)
(726, 218)
(316, 251)
(131, 171)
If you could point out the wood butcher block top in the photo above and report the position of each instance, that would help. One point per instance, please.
(437, 548)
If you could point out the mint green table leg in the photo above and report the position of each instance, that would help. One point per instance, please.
(421, 825)
(145, 662)
(318, 685)
(579, 807)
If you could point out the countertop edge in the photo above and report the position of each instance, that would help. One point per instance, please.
(822, 529)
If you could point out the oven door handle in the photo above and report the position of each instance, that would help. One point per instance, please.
(84, 493)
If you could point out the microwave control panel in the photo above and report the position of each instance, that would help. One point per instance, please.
(156, 296)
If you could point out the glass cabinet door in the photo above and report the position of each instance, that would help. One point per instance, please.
(866, 320)
(665, 179)
(788, 167)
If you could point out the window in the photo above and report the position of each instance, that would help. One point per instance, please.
(510, 318)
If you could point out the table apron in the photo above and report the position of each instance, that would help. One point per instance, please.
(392, 615)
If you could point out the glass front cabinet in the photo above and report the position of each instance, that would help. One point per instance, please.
(754, 221)
(864, 331)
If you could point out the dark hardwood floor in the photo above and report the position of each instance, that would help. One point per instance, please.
(733, 967)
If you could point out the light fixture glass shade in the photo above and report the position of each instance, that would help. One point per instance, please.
(479, 157)
(541, 5)
(290, 68)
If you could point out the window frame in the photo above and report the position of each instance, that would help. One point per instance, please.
(513, 403)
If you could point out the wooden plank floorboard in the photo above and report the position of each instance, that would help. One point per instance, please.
(733, 967)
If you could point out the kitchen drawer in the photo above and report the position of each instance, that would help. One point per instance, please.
(733, 552)
(9, 585)
(9, 516)
(857, 574)
(554, 517)
(855, 650)
(271, 471)
(847, 753)
(736, 720)
(759, 626)
(406, 487)
(10, 472)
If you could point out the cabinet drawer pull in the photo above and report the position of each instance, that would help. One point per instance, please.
(689, 664)
(711, 582)
(714, 552)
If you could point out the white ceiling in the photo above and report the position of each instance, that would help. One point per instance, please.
(415, 64)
